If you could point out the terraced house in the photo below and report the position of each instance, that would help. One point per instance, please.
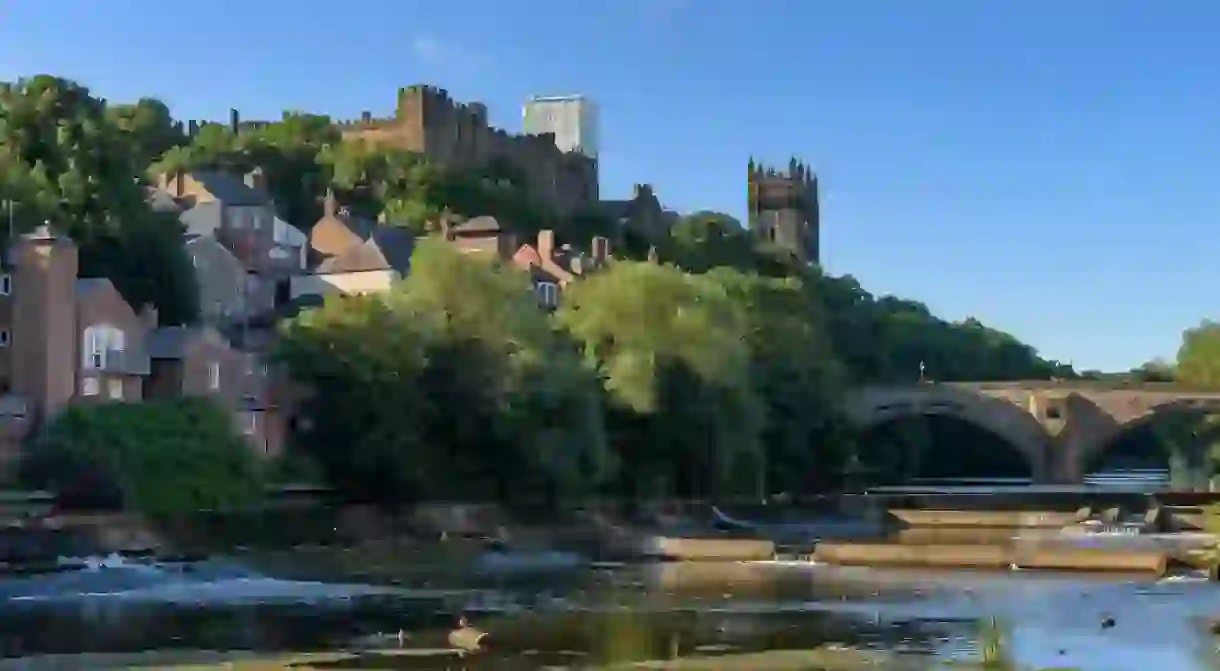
(66, 340)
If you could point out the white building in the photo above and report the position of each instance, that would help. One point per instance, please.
(573, 119)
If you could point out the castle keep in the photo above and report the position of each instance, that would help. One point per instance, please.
(429, 122)
(783, 208)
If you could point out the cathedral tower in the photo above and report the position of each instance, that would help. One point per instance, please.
(783, 208)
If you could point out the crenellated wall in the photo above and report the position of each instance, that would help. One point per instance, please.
(428, 121)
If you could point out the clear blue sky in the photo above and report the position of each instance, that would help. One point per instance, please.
(1050, 167)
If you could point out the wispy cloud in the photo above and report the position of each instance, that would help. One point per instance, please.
(433, 50)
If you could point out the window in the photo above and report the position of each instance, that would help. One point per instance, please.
(548, 292)
(89, 387)
(279, 253)
(4, 337)
(114, 389)
(249, 424)
(101, 345)
(214, 376)
(6, 284)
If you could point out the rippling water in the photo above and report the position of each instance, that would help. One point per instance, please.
(547, 604)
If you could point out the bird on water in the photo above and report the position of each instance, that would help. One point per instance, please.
(465, 638)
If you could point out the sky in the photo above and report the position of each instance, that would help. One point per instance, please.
(1048, 167)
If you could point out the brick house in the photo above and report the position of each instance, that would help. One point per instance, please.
(352, 255)
(237, 213)
(552, 268)
(65, 339)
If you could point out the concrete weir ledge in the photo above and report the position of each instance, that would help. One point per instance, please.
(998, 557)
(707, 549)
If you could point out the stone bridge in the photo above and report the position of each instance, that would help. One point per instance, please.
(1060, 426)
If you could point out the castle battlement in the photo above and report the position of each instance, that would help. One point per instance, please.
(783, 206)
(428, 121)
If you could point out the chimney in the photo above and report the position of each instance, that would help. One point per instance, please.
(601, 251)
(149, 316)
(44, 328)
(546, 244)
(329, 206)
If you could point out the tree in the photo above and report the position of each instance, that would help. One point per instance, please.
(158, 457)
(671, 350)
(1198, 361)
(797, 375)
(63, 159)
(453, 385)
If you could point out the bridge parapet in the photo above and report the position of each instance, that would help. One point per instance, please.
(1059, 425)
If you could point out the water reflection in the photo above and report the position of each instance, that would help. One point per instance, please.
(607, 614)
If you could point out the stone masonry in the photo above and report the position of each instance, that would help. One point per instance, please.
(1059, 426)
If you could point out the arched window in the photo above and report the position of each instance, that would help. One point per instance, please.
(99, 343)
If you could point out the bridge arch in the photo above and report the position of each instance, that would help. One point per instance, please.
(1090, 452)
(868, 407)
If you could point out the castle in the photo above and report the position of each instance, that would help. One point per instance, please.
(429, 122)
(784, 209)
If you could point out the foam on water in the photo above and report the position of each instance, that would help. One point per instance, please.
(209, 582)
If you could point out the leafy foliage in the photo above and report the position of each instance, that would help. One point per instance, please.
(455, 384)
(66, 158)
(160, 458)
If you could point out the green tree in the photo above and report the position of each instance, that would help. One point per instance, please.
(1198, 361)
(455, 384)
(795, 371)
(158, 458)
(149, 127)
(64, 159)
(671, 348)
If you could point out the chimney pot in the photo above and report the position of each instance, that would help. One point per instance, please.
(329, 206)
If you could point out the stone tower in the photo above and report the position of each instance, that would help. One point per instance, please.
(784, 208)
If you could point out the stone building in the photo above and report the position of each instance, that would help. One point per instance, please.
(784, 209)
(428, 121)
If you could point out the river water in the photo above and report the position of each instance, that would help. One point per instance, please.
(554, 610)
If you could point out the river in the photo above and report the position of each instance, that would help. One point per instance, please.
(556, 611)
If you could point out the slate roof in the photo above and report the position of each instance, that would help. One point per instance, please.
(230, 189)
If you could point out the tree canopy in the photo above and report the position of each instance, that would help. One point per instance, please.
(158, 457)
(65, 157)
(716, 370)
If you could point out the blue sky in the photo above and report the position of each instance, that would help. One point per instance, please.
(1050, 167)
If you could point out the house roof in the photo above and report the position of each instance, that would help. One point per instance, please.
(335, 233)
(478, 225)
(160, 200)
(230, 189)
(387, 248)
(202, 219)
